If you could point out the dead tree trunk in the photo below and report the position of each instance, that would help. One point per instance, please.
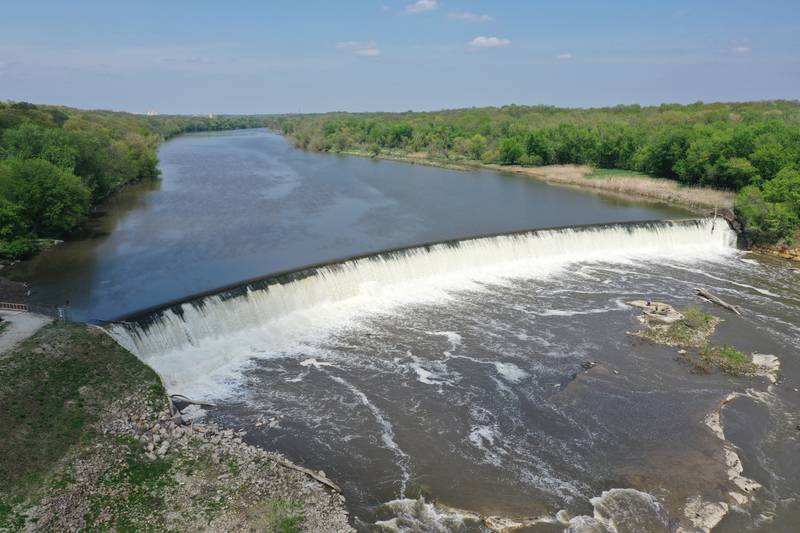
(705, 293)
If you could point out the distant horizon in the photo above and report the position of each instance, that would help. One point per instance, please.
(394, 55)
(379, 111)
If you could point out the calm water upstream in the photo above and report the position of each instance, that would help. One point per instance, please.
(445, 381)
(235, 205)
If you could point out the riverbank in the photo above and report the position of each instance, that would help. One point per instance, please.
(89, 443)
(782, 251)
(634, 186)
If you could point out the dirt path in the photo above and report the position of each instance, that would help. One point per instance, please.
(21, 325)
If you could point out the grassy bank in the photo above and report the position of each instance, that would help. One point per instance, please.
(89, 443)
(634, 185)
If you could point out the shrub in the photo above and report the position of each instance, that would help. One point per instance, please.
(510, 152)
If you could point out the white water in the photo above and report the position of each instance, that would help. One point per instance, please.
(206, 345)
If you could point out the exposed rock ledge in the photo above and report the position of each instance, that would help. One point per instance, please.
(792, 253)
(705, 515)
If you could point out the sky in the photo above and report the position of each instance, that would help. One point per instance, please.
(282, 56)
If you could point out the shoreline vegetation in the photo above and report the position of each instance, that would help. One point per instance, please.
(634, 186)
(90, 444)
(716, 150)
(57, 164)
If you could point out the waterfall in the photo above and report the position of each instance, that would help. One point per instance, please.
(315, 297)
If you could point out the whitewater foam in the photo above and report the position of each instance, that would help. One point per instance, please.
(199, 346)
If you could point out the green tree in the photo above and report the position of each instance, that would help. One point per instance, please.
(784, 188)
(29, 141)
(735, 173)
(477, 146)
(510, 152)
(53, 201)
(769, 158)
(765, 222)
(538, 144)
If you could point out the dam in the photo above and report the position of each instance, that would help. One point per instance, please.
(406, 275)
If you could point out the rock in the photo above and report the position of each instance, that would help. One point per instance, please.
(657, 311)
(738, 498)
(162, 450)
(705, 515)
(768, 366)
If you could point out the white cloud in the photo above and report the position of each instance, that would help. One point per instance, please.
(466, 16)
(369, 52)
(565, 56)
(487, 42)
(360, 48)
(421, 6)
(740, 50)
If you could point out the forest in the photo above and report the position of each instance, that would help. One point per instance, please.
(752, 148)
(58, 163)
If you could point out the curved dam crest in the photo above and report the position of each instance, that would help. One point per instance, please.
(410, 274)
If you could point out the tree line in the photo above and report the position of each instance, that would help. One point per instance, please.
(58, 163)
(752, 148)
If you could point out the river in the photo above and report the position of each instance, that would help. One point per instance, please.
(235, 205)
(493, 376)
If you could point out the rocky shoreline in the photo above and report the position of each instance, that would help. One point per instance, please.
(791, 253)
(134, 465)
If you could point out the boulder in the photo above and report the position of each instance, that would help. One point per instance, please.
(658, 312)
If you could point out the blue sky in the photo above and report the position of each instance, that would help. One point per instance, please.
(286, 56)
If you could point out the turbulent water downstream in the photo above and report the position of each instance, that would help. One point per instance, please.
(455, 373)
(443, 384)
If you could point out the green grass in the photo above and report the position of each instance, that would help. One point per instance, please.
(3, 326)
(693, 330)
(732, 355)
(53, 387)
(729, 360)
(606, 172)
(695, 318)
(141, 504)
(285, 516)
(277, 516)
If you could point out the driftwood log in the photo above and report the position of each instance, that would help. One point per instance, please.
(184, 399)
(310, 473)
(714, 299)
